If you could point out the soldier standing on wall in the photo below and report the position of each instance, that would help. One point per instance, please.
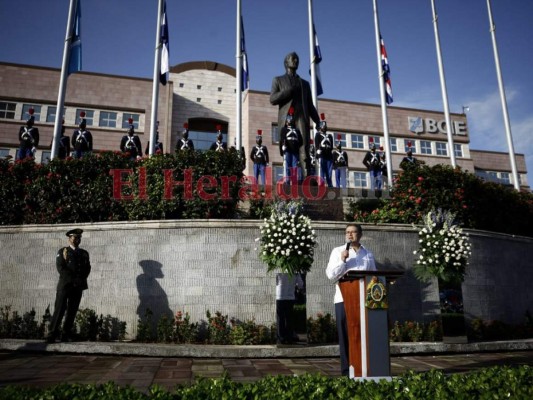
(185, 143)
(28, 138)
(82, 140)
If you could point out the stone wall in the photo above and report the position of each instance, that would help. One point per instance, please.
(201, 265)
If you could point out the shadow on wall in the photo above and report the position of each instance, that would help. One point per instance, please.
(151, 294)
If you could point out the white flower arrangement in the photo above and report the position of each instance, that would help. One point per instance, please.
(287, 239)
(444, 249)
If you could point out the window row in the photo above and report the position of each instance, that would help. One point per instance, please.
(47, 113)
(359, 141)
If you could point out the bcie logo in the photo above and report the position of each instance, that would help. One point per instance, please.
(421, 125)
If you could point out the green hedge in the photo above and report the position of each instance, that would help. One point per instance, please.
(82, 190)
(490, 383)
(476, 203)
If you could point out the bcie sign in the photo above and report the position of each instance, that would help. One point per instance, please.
(429, 125)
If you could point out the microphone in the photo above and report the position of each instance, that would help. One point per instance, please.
(348, 245)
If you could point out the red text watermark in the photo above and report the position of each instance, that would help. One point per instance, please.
(209, 187)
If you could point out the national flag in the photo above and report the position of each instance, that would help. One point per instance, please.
(74, 64)
(317, 58)
(245, 78)
(386, 71)
(165, 68)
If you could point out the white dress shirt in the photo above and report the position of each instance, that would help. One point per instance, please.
(359, 260)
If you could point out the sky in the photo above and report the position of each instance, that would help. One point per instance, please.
(118, 37)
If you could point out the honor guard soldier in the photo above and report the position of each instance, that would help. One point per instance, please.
(74, 267)
(219, 145)
(63, 150)
(290, 142)
(158, 145)
(185, 143)
(82, 140)
(324, 150)
(131, 143)
(371, 162)
(259, 156)
(409, 161)
(28, 138)
(340, 164)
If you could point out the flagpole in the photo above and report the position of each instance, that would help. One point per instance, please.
(238, 80)
(443, 87)
(155, 87)
(312, 54)
(503, 99)
(383, 99)
(63, 82)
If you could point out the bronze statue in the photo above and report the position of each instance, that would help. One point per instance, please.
(291, 90)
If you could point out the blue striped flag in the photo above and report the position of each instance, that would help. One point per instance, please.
(74, 64)
(386, 71)
(245, 77)
(165, 67)
(317, 58)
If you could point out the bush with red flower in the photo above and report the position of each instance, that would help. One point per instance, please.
(475, 203)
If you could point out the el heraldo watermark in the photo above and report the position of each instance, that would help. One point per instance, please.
(206, 187)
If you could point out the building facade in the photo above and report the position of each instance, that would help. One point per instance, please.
(202, 94)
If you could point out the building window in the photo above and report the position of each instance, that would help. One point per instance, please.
(410, 146)
(505, 178)
(89, 116)
(458, 150)
(275, 134)
(442, 149)
(340, 138)
(219, 101)
(277, 173)
(7, 110)
(202, 131)
(4, 153)
(374, 139)
(425, 147)
(198, 99)
(125, 120)
(26, 112)
(393, 145)
(108, 119)
(45, 157)
(51, 114)
(357, 142)
(360, 179)
(220, 89)
(198, 87)
(182, 84)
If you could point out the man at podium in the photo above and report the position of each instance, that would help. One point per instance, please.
(348, 257)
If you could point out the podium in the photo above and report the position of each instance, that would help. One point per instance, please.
(366, 302)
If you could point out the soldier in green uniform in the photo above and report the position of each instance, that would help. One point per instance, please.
(74, 267)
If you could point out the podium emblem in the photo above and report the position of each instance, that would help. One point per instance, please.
(376, 294)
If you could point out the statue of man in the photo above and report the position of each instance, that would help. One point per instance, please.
(290, 90)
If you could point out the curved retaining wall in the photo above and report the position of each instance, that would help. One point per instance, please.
(199, 265)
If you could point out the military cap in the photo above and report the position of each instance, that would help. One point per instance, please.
(75, 232)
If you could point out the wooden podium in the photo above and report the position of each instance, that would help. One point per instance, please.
(365, 295)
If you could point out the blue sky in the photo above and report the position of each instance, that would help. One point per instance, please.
(118, 37)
